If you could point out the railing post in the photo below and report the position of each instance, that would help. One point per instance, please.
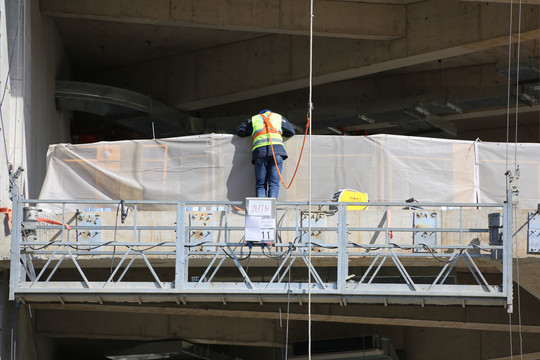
(180, 277)
(343, 260)
(15, 267)
(507, 251)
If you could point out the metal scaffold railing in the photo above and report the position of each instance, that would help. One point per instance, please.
(144, 251)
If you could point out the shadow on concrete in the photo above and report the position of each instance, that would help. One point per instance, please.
(241, 180)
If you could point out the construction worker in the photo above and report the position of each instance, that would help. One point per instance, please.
(267, 129)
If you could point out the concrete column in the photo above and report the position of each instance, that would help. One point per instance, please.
(12, 48)
(9, 319)
(32, 59)
(46, 62)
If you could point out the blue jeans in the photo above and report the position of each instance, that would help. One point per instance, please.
(267, 177)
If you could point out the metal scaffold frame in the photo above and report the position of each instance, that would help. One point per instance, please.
(36, 261)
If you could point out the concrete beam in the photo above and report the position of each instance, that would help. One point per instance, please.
(335, 19)
(275, 64)
(139, 324)
(382, 316)
(532, 2)
(528, 356)
(359, 99)
(121, 106)
(442, 124)
(488, 113)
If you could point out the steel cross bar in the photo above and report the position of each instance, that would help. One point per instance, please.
(314, 272)
(44, 267)
(402, 270)
(78, 267)
(117, 267)
(218, 266)
(477, 269)
(203, 276)
(443, 271)
(150, 268)
(28, 266)
(276, 274)
(56, 267)
(239, 266)
(288, 269)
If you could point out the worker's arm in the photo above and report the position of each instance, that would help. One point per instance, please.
(286, 128)
(245, 129)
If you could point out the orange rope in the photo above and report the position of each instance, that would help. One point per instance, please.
(53, 222)
(266, 123)
(48, 221)
(9, 214)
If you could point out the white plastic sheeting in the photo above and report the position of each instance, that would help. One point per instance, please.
(217, 167)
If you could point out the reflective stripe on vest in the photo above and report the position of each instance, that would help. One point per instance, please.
(265, 126)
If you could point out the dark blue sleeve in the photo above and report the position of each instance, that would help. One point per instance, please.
(286, 128)
(245, 129)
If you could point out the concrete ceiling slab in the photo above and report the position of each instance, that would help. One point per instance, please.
(217, 59)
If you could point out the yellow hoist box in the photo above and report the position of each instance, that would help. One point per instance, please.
(349, 195)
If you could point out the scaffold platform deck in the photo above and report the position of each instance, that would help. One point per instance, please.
(180, 252)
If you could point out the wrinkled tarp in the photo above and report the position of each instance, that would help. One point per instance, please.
(217, 167)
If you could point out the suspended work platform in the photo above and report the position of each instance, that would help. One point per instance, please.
(326, 252)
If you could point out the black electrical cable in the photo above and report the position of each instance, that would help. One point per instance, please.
(149, 247)
(288, 313)
(233, 257)
(480, 248)
(114, 238)
(33, 326)
(280, 256)
(402, 247)
(437, 257)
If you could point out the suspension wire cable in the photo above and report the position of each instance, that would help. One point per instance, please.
(510, 331)
(515, 167)
(24, 160)
(310, 109)
(518, 297)
(19, 76)
(15, 40)
(517, 85)
(518, 49)
(288, 315)
(516, 120)
(508, 138)
(509, 83)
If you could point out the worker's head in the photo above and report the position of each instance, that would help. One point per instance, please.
(263, 111)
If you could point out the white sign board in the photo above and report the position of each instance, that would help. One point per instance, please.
(259, 229)
(260, 220)
(260, 208)
(534, 234)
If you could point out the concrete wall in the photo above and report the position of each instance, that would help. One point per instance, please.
(32, 59)
(45, 125)
(11, 89)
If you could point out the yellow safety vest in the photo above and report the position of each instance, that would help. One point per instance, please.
(266, 125)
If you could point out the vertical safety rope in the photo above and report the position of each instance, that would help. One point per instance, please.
(24, 160)
(514, 213)
(517, 85)
(509, 83)
(515, 167)
(510, 331)
(508, 135)
(310, 108)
